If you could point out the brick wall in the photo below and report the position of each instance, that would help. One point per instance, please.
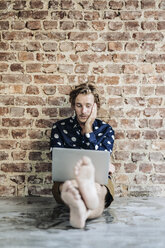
(46, 47)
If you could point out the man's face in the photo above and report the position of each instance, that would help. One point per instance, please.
(83, 107)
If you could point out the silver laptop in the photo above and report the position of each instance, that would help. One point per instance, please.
(65, 159)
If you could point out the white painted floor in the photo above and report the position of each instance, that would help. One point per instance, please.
(39, 222)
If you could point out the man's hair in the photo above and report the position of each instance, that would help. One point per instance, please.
(86, 88)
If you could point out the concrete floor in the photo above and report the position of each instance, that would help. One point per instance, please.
(39, 222)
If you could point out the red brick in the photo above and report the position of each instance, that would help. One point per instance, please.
(65, 112)
(18, 155)
(113, 80)
(130, 168)
(98, 25)
(56, 101)
(35, 156)
(148, 46)
(33, 90)
(115, 36)
(3, 111)
(57, 15)
(131, 4)
(3, 133)
(4, 56)
(15, 89)
(34, 145)
(149, 25)
(133, 134)
(148, 134)
(49, 68)
(49, 90)
(17, 35)
(156, 123)
(122, 155)
(99, 5)
(114, 26)
(18, 25)
(90, 16)
(130, 15)
(133, 113)
(29, 100)
(43, 167)
(16, 78)
(7, 144)
(133, 26)
(130, 79)
(33, 112)
(148, 4)
(33, 46)
(18, 46)
(30, 68)
(7, 190)
(66, 25)
(154, 36)
(115, 46)
(39, 191)
(16, 167)
(128, 123)
(126, 58)
(130, 69)
(7, 100)
(40, 14)
(36, 4)
(161, 25)
(115, 5)
(110, 15)
(81, 36)
(3, 155)
(16, 67)
(119, 135)
(50, 46)
(160, 68)
(145, 168)
(4, 25)
(25, 56)
(50, 25)
(48, 79)
(52, 112)
(42, 123)
(35, 134)
(16, 122)
(154, 101)
(4, 46)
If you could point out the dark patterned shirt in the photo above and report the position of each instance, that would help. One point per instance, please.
(67, 133)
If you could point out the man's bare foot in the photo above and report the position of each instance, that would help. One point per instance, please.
(85, 176)
(78, 211)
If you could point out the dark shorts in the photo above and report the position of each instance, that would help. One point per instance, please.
(108, 198)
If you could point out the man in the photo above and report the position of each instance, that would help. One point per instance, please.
(85, 198)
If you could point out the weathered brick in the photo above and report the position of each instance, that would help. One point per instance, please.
(18, 46)
(52, 112)
(16, 68)
(66, 46)
(4, 56)
(156, 156)
(98, 47)
(18, 155)
(115, 46)
(158, 179)
(115, 36)
(35, 156)
(149, 25)
(20, 179)
(16, 167)
(140, 179)
(50, 25)
(17, 112)
(48, 79)
(56, 15)
(50, 46)
(33, 46)
(7, 190)
(16, 122)
(81, 68)
(160, 68)
(113, 80)
(29, 100)
(35, 134)
(66, 25)
(159, 168)
(81, 36)
(16, 78)
(7, 144)
(35, 179)
(98, 25)
(148, 4)
(149, 134)
(3, 155)
(131, 4)
(49, 68)
(67, 4)
(4, 46)
(7, 100)
(18, 25)
(33, 112)
(65, 111)
(3, 111)
(25, 56)
(36, 4)
(31, 68)
(4, 25)
(39, 191)
(33, 90)
(99, 5)
(130, 15)
(40, 14)
(154, 36)
(130, 167)
(17, 35)
(49, 90)
(42, 123)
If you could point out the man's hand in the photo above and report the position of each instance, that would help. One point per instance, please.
(88, 124)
